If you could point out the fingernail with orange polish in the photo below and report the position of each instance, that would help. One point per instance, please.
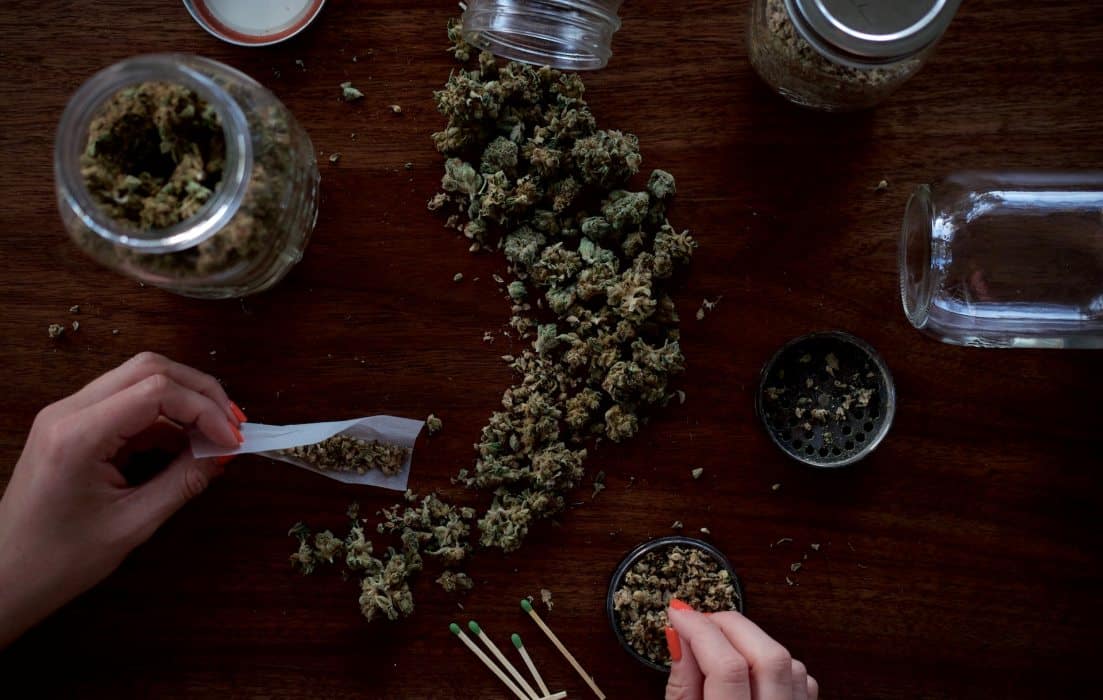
(237, 434)
(674, 644)
(238, 413)
(680, 605)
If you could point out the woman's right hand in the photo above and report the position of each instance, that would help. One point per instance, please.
(725, 656)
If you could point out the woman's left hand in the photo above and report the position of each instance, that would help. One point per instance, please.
(68, 516)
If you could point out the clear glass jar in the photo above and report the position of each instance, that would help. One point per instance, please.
(1006, 260)
(255, 221)
(563, 34)
(839, 55)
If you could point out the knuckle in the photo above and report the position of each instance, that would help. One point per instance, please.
(799, 669)
(677, 689)
(150, 360)
(44, 418)
(156, 384)
(777, 663)
(195, 482)
(813, 688)
(55, 438)
(210, 386)
(735, 671)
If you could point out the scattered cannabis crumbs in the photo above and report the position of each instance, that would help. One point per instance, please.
(433, 424)
(349, 93)
(528, 172)
(686, 573)
(344, 453)
(56, 330)
(823, 402)
(427, 526)
(706, 306)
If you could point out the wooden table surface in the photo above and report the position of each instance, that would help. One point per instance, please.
(962, 559)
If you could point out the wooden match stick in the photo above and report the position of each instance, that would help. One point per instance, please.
(486, 660)
(528, 662)
(527, 607)
(478, 632)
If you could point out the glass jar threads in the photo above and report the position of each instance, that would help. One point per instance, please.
(186, 174)
(839, 55)
(564, 34)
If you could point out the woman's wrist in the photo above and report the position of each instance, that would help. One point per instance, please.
(26, 593)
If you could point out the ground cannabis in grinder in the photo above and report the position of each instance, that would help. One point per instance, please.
(684, 572)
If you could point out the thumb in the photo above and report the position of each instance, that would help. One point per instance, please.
(182, 480)
(686, 682)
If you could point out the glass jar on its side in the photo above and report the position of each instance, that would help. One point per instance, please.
(837, 56)
(1007, 260)
(564, 34)
(238, 236)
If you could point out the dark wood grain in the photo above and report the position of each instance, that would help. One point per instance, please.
(961, 560)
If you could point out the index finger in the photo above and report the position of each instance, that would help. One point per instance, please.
(145, 365)
(726, 672)
(102, 429)
(770, 662)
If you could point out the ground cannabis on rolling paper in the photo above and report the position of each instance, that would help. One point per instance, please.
(686, 573)
(344, 453)
(528, 172)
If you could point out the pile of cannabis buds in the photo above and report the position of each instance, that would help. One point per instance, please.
(529, 172)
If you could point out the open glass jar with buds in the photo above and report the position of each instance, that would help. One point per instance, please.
(840, 55)
(187, 175)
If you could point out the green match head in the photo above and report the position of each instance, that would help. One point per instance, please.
(517, 640)
(455, 628)
(474, 627)
(526, 605)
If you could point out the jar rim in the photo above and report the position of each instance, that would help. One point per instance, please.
(914, 257)
(563, 34)
(72, 139)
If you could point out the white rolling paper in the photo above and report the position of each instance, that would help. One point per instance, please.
(267, 439)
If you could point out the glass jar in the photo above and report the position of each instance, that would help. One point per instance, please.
(236, 237)
(1006, 260)
(839, 55)
(564, 34)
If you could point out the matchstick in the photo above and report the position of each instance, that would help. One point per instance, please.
(486, 660)
(528, 662)
(477, 631)
(527, 607)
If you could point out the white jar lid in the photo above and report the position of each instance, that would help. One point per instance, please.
(254, 22)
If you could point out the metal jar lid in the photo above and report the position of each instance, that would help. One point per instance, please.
(882, 31)
(254, 22)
